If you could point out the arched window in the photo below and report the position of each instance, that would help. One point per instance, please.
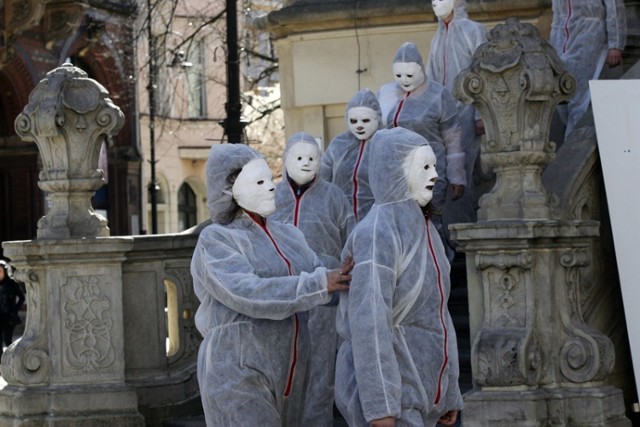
(187, 209)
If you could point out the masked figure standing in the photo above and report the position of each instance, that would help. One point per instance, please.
(452, 49)
(255, 280)
(398, 362)
(323, 214)
(346, 161)
(587, 34)
(427, 108)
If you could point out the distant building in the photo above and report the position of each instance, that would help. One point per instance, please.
(328, 50)
(191, 95)
(190, 53)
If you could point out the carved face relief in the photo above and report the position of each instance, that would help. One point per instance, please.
(302, 163)
(253, 190)
(420, 171)
(88, 320)
(442, 8)
(363, 122)
(409, 75)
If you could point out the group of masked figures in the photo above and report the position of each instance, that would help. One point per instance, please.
(330, 288)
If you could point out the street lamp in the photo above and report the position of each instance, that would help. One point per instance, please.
(233, 124)
(151, 88)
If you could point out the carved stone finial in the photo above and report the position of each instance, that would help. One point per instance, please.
(68, 116)
(516, 80)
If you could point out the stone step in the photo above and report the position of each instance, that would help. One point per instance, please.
(186, 422)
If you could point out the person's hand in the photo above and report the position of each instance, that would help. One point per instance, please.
(384, 422)
(480, 127)
(337, 280)
(449, 418)
(614, 57)
(456, 191)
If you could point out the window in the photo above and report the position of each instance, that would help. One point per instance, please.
(164, 88)
(187, 209)
(196, 81)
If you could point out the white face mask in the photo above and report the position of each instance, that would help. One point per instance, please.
(420, 171)
(253, 189)
(442, 8)
(408, 75)
(363, 122)
(302, 163)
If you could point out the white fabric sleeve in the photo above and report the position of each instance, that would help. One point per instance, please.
(370, 323)
(326, 164)
(229, 277)
(616, 24)
(455, 156)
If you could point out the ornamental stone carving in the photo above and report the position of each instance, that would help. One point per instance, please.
(534, 359)
(87, 337)
(505, 351)
(516, 80)
(585, 354)
(27, 361)
(68, 117)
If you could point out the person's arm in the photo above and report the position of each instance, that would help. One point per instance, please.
(449, 418)
(222, 270)
(431, 69)
(347, 220)
(326, 165)
(384, 422)
(614, 57)
(19, 295)
(370, 324)
(453, 402)
(616, 27)
(451, 132)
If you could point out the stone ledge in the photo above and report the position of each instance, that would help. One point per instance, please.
(304, 17)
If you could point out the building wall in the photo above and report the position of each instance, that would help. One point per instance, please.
(321, 46)
(319, 69)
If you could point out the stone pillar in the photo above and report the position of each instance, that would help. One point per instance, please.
(68, 368)
(68, 116)
(534, 360)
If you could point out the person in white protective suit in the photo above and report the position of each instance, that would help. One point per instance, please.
(322, 212)
(586, 34)
(397, 362)
(346, 161)
(452, 49)
(427, 108)
(255, 280)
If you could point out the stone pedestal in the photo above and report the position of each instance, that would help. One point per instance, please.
(601, 406)
(68, 367)
(534, 360)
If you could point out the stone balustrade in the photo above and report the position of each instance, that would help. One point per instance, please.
(109, 336)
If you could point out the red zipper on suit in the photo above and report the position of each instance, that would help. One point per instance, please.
(566, 27)
(397, 115)
(355, 179)
(294, 350)
(441, 313)
(296, 206)
(444, 54)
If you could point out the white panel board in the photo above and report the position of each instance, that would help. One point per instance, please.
(616, 109)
